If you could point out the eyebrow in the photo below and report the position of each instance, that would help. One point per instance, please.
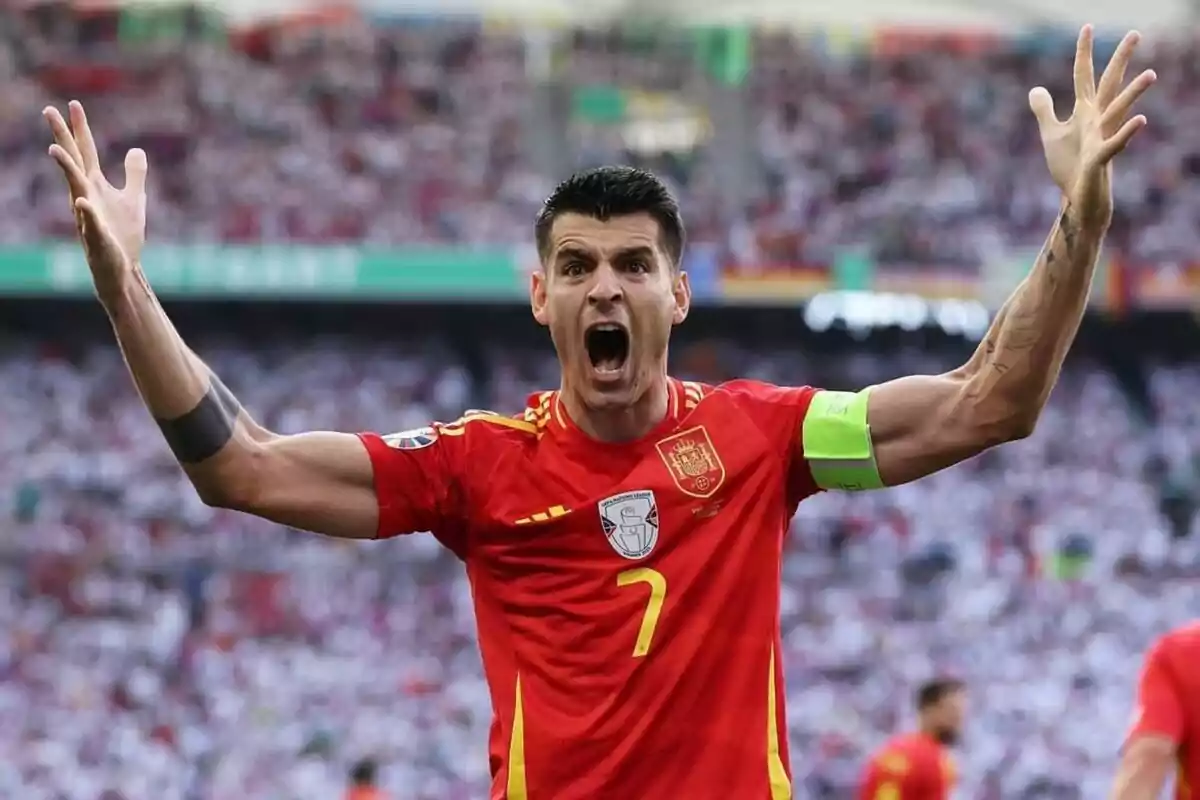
(574, 252)
(624, 254)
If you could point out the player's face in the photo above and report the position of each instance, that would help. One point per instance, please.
(950, 714)
(609, 296)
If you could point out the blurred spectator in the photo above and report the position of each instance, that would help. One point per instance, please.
(153, 647)
(362, 782)
(924, 155)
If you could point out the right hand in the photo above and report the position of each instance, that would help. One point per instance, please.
(111, 221)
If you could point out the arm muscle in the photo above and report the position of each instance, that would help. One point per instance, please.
(320, 482)
(925, 423)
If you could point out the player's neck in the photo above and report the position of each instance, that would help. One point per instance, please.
(930, 732)
(621, 424)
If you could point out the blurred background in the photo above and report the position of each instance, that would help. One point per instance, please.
(341, 206)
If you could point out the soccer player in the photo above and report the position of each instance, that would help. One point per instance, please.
(623, 536)
(1165, 737)
(363, 784)
(916, 766)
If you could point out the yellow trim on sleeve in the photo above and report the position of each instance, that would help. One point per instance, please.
(458, 427)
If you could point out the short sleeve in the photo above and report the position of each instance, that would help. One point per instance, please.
(779, 413)
(888, 776)
(1159, 710)
(420, 484)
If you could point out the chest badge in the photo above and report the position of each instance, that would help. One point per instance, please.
(693, 462)
(630, 521)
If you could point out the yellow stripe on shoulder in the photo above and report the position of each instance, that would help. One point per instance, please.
(693, 393)
(458, 427)
(539, 416)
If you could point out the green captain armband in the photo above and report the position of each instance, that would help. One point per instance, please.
(837, 442)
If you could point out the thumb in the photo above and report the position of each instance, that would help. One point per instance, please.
(1042, 106)
(135, 170)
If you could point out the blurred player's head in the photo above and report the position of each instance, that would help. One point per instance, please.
(941, 705)
(363, 773)
(610, 241)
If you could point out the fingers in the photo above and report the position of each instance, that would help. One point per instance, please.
(71, 168)
(1042, 106)
(1118, 141)
(83, 135)
(1085, 74)
(1119, 107)
(135, 170)
(62, 134)
(1114, 74)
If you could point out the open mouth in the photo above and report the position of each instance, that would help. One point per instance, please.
(607, 346)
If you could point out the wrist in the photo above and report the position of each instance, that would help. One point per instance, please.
(120, 288)
(1089, 204)
(1084, 216)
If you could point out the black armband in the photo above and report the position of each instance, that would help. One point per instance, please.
(201, 433)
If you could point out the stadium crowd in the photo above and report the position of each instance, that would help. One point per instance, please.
(152, 647)
(416, 134)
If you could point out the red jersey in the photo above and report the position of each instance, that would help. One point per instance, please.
(627, 595)
(1168, 701)
(914, 766)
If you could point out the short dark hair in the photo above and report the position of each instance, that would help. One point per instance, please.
(363, 772)
(607, 192)
(934, 691)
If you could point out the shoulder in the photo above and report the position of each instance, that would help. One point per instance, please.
(753, 391)
(948, 768)
(762, 400)
(475, 428)
(894, 757)
(479, 423)
(1179, 645)
(921, 750)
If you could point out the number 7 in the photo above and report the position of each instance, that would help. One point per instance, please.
(658, 593)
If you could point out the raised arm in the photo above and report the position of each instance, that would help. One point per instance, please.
(922, 424)
(317, 481)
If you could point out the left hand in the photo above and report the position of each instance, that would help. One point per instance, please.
(1079, 152)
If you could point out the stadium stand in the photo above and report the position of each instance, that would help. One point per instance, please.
(155, 647)
(151, 647)
(398, 134)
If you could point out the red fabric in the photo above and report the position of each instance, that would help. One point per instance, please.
(1168, 701)
(577, 550)
(909, 767)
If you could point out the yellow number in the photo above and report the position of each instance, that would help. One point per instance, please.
(658, 593)
(888, 791)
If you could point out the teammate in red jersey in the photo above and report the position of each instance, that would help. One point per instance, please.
(917, 766)
(624, 536)
(1165, 737)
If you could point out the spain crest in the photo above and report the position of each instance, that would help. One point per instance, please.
(693, 462)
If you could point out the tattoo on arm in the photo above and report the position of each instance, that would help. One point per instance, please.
(1069, 233)
(1021, 327)
(200, 434)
